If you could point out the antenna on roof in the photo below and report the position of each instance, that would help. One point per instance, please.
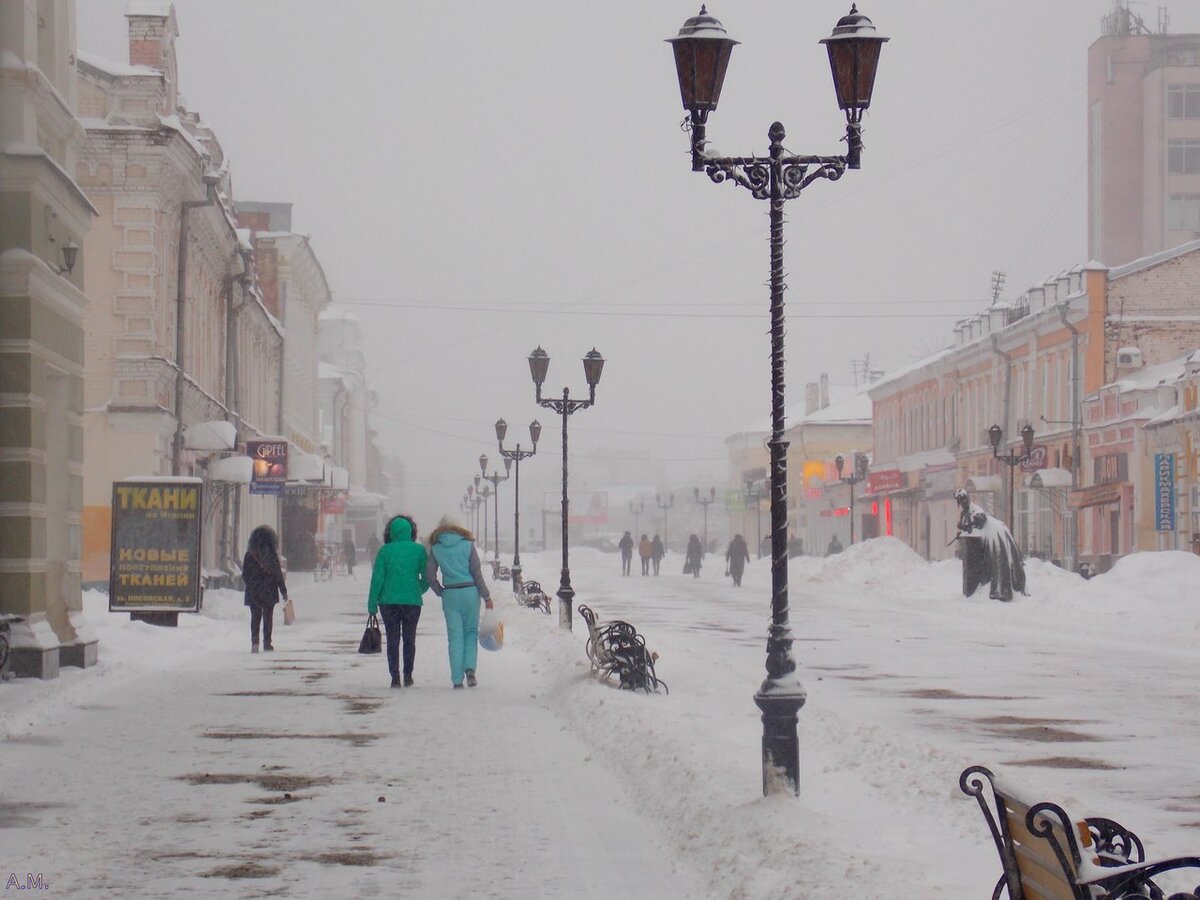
(997, 285)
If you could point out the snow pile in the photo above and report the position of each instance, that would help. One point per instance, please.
(878, 561)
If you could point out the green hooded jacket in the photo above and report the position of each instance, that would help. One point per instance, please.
(398, 576)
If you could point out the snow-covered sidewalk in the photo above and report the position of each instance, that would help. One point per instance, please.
(186, 766)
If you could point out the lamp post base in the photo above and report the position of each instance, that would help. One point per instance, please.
(780, 744)
(566, 595)
(516, 577)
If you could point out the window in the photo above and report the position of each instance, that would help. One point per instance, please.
(1183, 101)
(1183, 157)
(1183, 211)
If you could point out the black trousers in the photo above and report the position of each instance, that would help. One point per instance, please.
(400, 621)
(262, 613)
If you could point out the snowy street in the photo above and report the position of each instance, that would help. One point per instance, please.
(189, 766)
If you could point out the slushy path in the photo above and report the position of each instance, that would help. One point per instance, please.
(300, 773)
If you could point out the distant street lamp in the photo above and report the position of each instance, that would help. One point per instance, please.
(495, 478)
(510, 457)
(637, 510)
(859, 474)
(706, 502)
(593, 365)
(754, 494)
(1012, 460)
(702, 50)
(664, 507)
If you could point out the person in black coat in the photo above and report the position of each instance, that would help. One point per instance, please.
(693, 556)
(349, 554)
(736, 557)
(263, 579)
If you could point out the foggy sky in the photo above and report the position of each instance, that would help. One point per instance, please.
(478, 179)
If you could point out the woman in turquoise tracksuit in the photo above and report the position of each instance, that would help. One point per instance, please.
(452, 549)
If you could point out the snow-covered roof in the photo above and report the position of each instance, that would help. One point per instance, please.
(1049, 478)
(854, 410)
(157, 8)
(1154, 259)
(897, 374)
(334, 313)
(110, 67)
(795, 414)
(917, 461)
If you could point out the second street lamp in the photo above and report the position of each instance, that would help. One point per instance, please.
(495, 478)
(706, 502)
(1012, 460)
(593, 365)
(859, 474)
(510, 457)
(637, 509)
(664, 507)
(702, 50)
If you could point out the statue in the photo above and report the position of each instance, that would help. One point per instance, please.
(989, 552)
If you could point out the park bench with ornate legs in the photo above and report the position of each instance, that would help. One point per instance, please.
(617, 651)
(499, 570)
(1048, 855)
(532, 596)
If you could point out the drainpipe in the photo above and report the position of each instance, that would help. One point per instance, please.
(210, 182)
(1007, 398)
(1076, 427)
(232, 403)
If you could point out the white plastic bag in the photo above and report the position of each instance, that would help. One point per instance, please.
(491, 630)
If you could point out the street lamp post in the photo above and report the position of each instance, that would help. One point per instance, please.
(637, 510)
(754, 494)
(859, 474)
(510, 457)
(706, 502)
(702, 50)
(495, 478)
(664, 507)
(593, 365)
(1012, 460)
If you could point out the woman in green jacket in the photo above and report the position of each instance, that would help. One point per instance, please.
(397, 583)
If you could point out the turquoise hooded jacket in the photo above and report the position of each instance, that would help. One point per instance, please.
(398, 577)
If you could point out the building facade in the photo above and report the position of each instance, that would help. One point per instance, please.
(44, 219)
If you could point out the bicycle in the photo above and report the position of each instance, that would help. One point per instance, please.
(6, 621)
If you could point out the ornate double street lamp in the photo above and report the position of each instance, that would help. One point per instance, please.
(510, 457)
(664, 507)
(593, 365)
(1012, 460)
(859, 474)
(702, 50)
(706, 502)
(637, 509)
(495, 478)
(754, 494)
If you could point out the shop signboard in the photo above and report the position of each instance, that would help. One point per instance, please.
(1036, 459)
(333, 505)
(735, 501)
(1164, 491)
(1096, 495)
(270, 466)
(155, 564)
(885, 481)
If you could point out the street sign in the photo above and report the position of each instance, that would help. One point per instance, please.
(1164, 491)
(155, 564)
(735, 501)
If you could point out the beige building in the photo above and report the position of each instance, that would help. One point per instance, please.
(44, 218)
(178, 333)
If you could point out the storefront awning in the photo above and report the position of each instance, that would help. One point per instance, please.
(210, 436)
(233, 469)
(984, 484)
(1049, 478)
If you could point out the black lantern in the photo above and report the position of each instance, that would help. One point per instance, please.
(539, 364)
(593, 365)
(501, 430)
(702, 49)
(839, 463)
(70, 250)
(1027, 437)
(994, 435)
(476, 482)
(535, 431)
(483, 463)
(853, 57)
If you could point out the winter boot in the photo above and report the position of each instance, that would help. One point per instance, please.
(471, 682)
(254, 647)
(395, 681)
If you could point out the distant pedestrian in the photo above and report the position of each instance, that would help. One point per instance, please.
(373, 546)
(795, 547)
(764, 547)
(693, 556)
(835, 546)
(626, 547)
(452, 549)
(263, 578)
(397, 583)
(657, 552)
(645, 551)
(349, 554)
(736, 556)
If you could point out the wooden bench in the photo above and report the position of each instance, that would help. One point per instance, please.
(1048, 855)
(531, 596)
(615, 649)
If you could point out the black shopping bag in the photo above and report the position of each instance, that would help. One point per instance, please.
(372, 640)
